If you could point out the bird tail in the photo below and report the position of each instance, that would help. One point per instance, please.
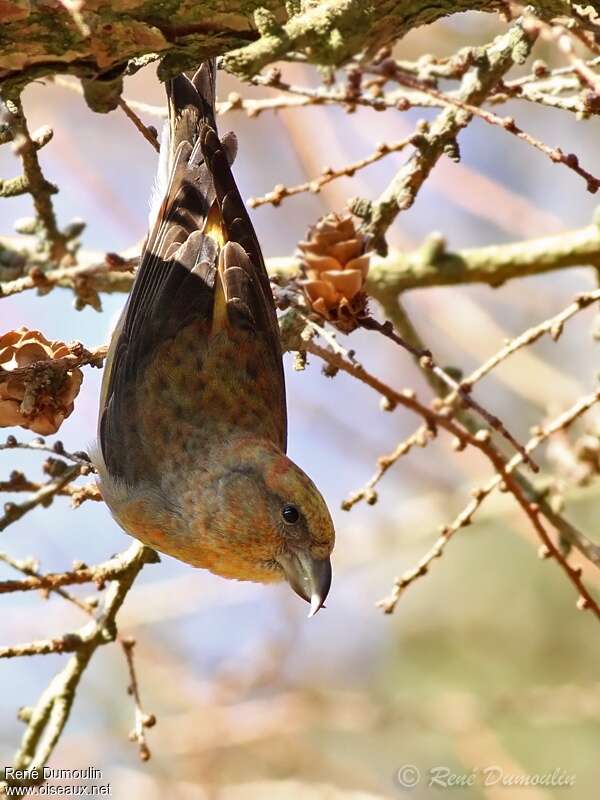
(191, 102)
(191, 105)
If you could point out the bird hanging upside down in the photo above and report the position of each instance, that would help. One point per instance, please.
(192, 427)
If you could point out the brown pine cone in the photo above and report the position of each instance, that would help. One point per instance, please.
(37, 401)
(336, 265)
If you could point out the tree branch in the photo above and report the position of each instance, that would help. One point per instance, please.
(104, 40)
(46, 721)
(491, 64)
(34, 182)
(429, 265)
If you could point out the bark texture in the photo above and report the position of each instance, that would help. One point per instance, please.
(100, 41)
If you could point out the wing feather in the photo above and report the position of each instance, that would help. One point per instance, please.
(175, 286)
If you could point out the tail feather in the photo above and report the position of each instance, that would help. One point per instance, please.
(191, 104)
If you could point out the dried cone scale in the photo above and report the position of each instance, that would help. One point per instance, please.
(335, 267)
(39, 402)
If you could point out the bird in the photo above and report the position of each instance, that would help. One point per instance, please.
(192, 424)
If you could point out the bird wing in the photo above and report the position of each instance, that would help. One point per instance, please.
(201, 303)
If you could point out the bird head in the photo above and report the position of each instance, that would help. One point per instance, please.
(267, 521)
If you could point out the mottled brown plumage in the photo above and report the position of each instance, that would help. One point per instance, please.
(192, 427)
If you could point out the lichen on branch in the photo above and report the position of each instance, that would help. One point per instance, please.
(101, 41)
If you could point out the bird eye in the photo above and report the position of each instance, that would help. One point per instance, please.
(290, 514)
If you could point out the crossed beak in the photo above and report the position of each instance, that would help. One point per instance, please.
(309, 577)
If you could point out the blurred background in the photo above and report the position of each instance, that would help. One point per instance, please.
(486, 661)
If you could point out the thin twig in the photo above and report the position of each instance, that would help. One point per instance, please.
(148, 133)
(479, 495)
(49, 716)
(426, 361)
(395, 312)
(481, 441)
(419, 438)
(98, 574)
(280, 192)
(103, 275)
(18, 482)
(35, 183)
(44, 496)
(67, 643)
(552, 326)
(57, 449)
(492, 64)
(508, 124)
(27, 568)
(142, 719)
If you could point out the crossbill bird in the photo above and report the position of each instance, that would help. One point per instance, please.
(192, 426)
